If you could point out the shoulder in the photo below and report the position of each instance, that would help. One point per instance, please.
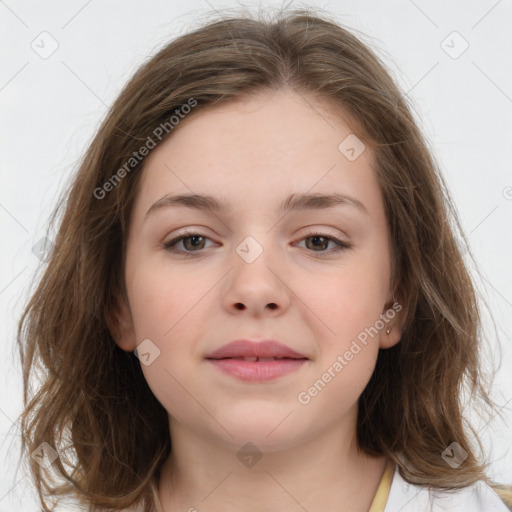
(405, 497)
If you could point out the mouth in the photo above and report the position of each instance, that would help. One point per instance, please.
(257, 369)
(249, 360)
(266, 349)
(254, 359)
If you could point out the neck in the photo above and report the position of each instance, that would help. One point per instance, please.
(326, 472)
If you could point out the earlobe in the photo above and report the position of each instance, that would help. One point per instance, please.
(390, 336)
(120, 324)
(393, 315)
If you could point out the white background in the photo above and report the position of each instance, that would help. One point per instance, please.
(51, 108)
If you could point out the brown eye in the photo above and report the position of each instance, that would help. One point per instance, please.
(191, 242)
(196, 242)
(318, 242)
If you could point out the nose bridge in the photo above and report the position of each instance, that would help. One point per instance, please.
(255, 234)
(257, 256)
(253, 231)
(252, 247)
(255, 281)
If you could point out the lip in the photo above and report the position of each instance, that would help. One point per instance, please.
(228, 359)
(248, 348)
(257, 370)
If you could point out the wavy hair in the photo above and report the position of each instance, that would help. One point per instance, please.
(92, 396)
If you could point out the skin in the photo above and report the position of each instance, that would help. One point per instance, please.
(254, 153)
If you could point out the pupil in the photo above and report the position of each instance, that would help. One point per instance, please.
(316, 239)
(194, 240)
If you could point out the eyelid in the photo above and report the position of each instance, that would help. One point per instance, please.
(324, 231)
(185, 234)
(341, 245)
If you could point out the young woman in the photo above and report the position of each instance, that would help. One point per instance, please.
(256, 300)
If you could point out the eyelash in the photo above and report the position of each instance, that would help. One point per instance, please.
(170, 245)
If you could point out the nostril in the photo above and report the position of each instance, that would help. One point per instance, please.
(240, 306)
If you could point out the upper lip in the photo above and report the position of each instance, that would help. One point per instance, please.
(248, 348)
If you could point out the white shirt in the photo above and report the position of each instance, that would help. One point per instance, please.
(405, 497)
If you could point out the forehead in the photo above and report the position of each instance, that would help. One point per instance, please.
(260, 148)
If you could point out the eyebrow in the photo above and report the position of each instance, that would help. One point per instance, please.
(294, 202)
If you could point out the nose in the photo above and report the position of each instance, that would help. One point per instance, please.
(242, 306)
(257, 286)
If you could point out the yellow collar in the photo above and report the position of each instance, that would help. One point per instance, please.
(381, 497)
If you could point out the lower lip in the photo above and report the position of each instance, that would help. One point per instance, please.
(257, 370)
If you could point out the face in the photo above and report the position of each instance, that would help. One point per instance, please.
(315, 279)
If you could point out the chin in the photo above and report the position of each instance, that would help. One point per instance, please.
(267, 434)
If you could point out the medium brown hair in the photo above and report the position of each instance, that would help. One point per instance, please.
(93, 405)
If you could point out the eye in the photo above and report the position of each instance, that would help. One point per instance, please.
(321, 240)
(191, 242)
(194, 242)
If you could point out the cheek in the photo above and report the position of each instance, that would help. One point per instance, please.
(177, 389)
(159, 296)
(346, 304)
(350, 295)
(167, 309)
(172, 306)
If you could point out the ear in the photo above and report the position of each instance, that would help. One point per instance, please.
(393, 314)
(120, 324)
